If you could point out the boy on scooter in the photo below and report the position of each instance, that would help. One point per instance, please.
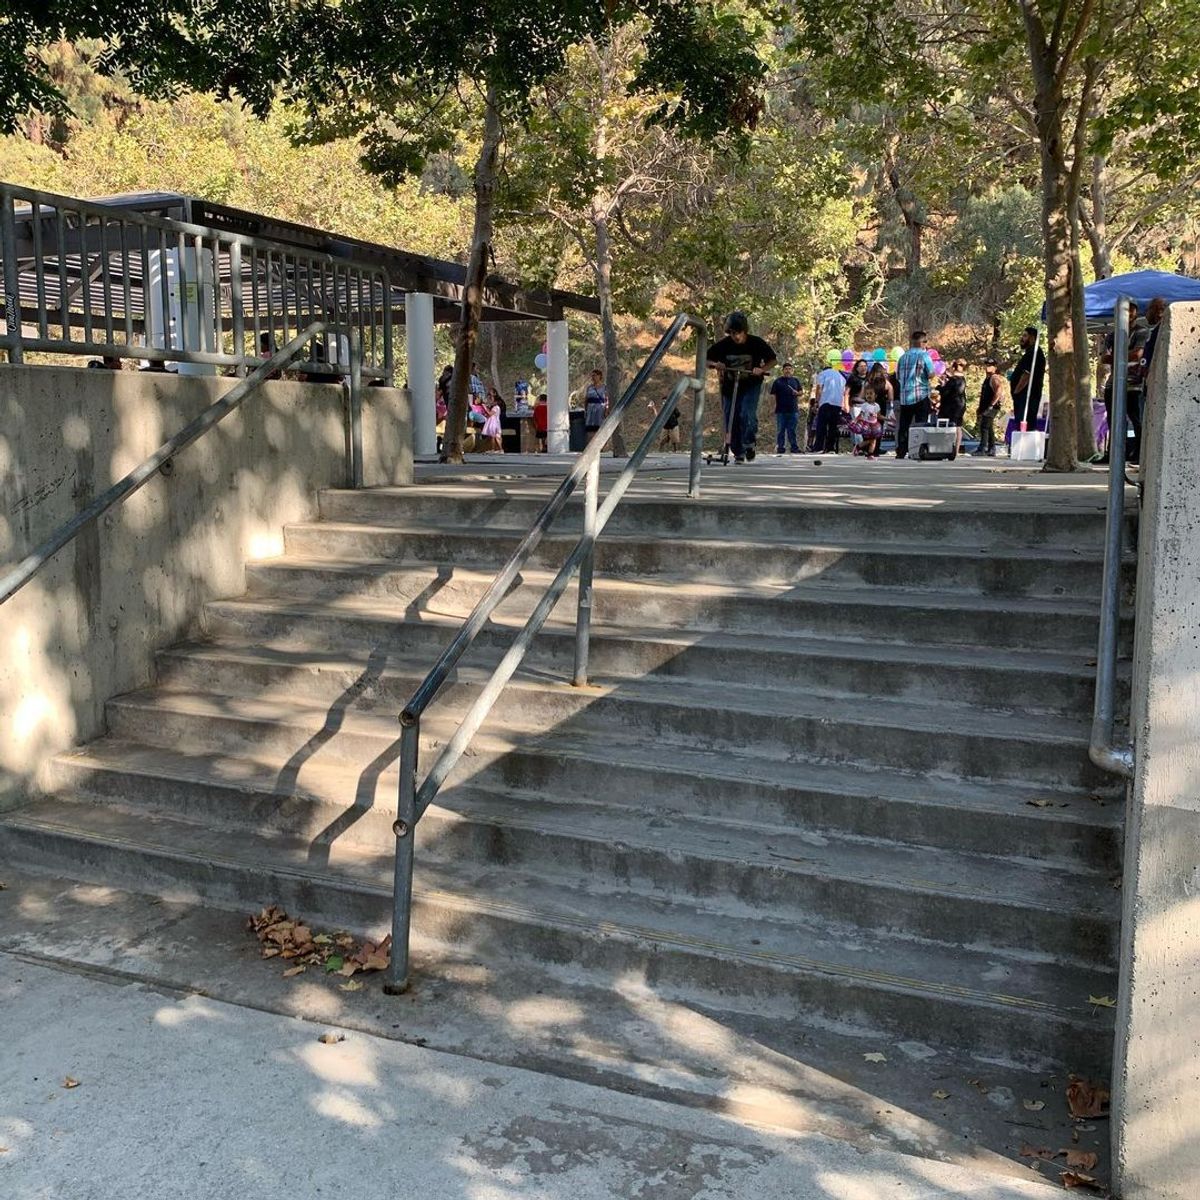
(742, 359)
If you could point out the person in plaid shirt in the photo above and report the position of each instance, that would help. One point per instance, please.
(914, 372)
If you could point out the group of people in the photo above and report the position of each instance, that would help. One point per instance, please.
(865, 399)
(487, 409)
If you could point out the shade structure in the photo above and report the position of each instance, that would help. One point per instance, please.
(1140, 286)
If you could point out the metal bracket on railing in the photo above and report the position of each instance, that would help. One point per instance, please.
(1109, 757)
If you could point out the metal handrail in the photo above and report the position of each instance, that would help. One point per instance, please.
(413, 801)
(1103, 752)
(28, 567)
(217, 293)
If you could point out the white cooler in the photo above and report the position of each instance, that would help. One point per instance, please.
(933, 441)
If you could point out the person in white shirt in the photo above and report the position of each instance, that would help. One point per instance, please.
(833, 398)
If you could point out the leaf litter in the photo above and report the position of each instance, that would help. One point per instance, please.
(1086, 1099)
(294, 941)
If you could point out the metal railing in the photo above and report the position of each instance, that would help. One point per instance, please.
(1102, 750)
(413, 800)
(33, 562)
(87, 278)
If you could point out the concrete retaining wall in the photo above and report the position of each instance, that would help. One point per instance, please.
(1156, 1118)
(87, 627)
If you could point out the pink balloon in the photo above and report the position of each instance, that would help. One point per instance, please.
(939, 368)
(934, 355)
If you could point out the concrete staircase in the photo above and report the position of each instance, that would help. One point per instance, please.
(830, 787)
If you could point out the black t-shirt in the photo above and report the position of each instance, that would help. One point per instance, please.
(1025, 366)
(786, 390)
(753, 352)
(952, 396)
(856, 384)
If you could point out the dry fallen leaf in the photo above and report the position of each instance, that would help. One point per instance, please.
(1033, 1105)
(351, 985)
(941, 1094)
(331, 1039)
(1039, 803)
(348, 969)
(1086, 1159)
(322, 939)
(291, 972)
(1102, 1001)
(1037, 1152)
(69, 1083)
(875, 1057)
(1074, 1179)
(1086, 1099)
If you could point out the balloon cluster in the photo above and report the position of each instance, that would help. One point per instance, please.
(845, 359)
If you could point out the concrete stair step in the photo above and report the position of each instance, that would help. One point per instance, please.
(879, 614)
(981, 675)
(977, 898)
(930, 566)
(1023, 1010)
(1050, 824)
(927, 737)
(567, 1022)
(1001, 525)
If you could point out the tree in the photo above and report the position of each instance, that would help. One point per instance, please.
(395, 74)
(1050, 62)
(588, 165)
(402, 75)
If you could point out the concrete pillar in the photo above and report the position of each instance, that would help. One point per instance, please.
(422, 371)
(558, 384)
(1156, 1068)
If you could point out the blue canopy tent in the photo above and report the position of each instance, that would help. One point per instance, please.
(1140, 286)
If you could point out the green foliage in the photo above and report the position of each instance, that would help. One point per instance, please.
(199, 146)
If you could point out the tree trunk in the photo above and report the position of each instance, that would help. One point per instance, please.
(1085, 430)
(486, 170)
(494, 354)
(612, 354)
(913, 214)
(1061, 453)
(600, 214)
(1096, 225)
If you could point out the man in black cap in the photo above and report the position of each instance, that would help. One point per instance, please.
(991, 395)
(750, 357)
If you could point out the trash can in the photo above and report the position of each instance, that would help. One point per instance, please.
(577, 438)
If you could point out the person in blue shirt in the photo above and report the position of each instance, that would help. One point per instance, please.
(786, 390)
(914, 375)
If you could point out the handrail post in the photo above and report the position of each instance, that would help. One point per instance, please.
(12, 288)
(355, 398)
(397, 978)
(698, 414)
(583, 617)
(237, 309)
(1118, 760)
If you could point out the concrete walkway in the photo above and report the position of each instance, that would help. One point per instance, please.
(185, 1097)
(808, 479)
